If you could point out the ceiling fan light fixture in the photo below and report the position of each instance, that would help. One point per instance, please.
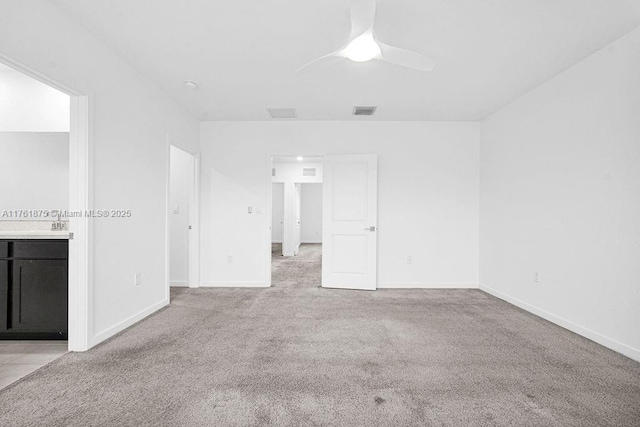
(362, 49)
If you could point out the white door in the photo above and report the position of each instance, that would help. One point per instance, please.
(349, 215)
(296, 233)
(277, 214)
(182, 211)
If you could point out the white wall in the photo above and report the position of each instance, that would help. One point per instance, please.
(34, 172)
(131, 120)
(181, 187)
(26, 105)
(427, 196)
(277, 216)
(293, 171)
(560, 195)
(311, 231)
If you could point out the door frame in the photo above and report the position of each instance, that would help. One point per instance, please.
(269, 206)
(81, 244)
(282, 229)
(193, 256)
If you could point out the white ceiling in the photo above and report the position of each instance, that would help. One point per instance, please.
(26, 105)
(243, 53)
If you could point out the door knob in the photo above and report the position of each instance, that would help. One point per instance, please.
(372, 228)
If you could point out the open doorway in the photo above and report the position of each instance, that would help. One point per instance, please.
(34, 204)
(45, 263)
(183, 218)
(296, 221)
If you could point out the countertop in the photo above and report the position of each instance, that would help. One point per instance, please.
(31, 230)
(35, 234)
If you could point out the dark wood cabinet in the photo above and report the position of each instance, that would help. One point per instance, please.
(4, 293)
(33, 289)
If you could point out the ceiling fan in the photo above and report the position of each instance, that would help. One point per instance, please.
(364, 46)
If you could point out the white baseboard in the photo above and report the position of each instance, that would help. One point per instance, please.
(614, 345)
(179, 284)
(388, 285)
(98, 338)
(315, 242)
(220, 284)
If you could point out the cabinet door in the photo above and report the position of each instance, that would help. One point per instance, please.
(39, 296)
(4, 294)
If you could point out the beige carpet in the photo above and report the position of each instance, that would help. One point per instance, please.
(313, 356)
(301, 271)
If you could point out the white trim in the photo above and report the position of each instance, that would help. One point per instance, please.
(269, 219)
(222, 284)
(311, 242)
(80, 288)
(129, 321)
(180, 284)
(393, 285)
(194, 241)
(38, 75)
(614, 345)
(194, 248)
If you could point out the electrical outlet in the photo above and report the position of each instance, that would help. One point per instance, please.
(536, 277)
(409, 260)
(138, 279)
(229, 259)
(250, 209)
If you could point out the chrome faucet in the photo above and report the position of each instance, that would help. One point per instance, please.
(59, 225)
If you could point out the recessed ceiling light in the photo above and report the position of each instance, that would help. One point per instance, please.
(299, 158)
(191, 84)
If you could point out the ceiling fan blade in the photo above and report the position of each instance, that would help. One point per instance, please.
(363, 13)
(405, 58)
(338, 54)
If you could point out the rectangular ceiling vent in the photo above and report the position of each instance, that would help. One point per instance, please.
(308, 171)
(282, 113)
(364, 111)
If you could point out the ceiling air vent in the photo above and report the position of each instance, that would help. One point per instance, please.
(364, 111)
(282, 113)
(308, 171)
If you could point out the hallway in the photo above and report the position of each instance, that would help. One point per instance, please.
(301, 271)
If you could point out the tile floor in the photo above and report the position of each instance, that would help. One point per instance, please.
(20, 358)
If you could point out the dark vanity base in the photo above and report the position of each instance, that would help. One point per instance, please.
(34, 289)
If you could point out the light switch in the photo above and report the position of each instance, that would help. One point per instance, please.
(176, 210)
